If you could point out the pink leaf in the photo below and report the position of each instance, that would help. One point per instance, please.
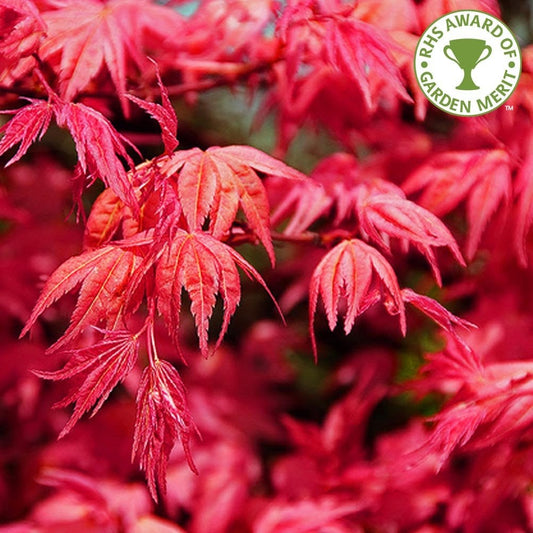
(29, 123)
(162, 418)
(104, 365)
(350, 270)
(164, 114)
(99, 147)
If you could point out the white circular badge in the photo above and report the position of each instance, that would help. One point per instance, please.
(467, 63)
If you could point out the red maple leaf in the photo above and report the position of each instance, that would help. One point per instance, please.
(431, 10)
(83, 36)
(29, 124)
(99, 146)
(162, 418)
(204, 267)
(104, 365)
(481, 177)
(164, 114)
(524, 210)
(439, 314)
(215, 183)
(328, 35)
(358, 272)
(104, 275)
(362, 52)
(383, 216)
(103, 221)
(21, 27)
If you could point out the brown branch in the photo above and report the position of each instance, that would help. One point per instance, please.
(242, 235)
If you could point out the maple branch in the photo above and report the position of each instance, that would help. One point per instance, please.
(21, 91)
(326, 239)
(242, 235)
(306, 237)
(238, 73)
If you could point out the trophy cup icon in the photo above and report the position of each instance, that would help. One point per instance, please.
(467, 53)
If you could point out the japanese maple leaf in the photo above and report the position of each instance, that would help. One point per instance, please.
(84, 36)
(481, 177)
(204, 267)
(215, 183)
(82, 501)
(493, 403)
(29, 124)
(104, 275)
(100, 148)
(361, 52)
(324, 513)
(164, 114)
(451, 368)
(383, 216)
(162, 418)
(353, 270)
(21, 27)
(439, 314)
(524, 210)
(104, 220)
(329, 189)
(304, 202)
(430, 10)
(320, 36)
(389, 15)
(476, 423)
(103, 365)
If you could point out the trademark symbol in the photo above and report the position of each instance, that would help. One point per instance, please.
(509, 108)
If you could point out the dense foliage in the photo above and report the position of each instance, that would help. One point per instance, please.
(183, 282)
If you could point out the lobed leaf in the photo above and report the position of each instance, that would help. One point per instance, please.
(204, 267)
(21, 28)
(103, 221)
(99, 147)
(162, 418)
(104, 365)
(217, 182)
(481, 177)
(352, 269)
(388, 215)
(85, 36)
(104, 275)
(29, 123)
(361, 52)
(164, 114)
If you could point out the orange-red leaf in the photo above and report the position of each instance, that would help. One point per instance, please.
(162, 418)
(104, 220)
(84, 36)
(21, 28)
(482, 177)
(29, 123)
(383, 216)
(362, 52)
(99, 147)
(351, 270)
(104, 365)
(164, 114)
(205, 268)
(104, 275)
(217, 182)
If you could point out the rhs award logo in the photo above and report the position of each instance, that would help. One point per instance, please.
(468, 63)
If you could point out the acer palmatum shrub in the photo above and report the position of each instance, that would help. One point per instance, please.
(339, 344)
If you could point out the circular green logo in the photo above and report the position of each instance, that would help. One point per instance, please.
(467, 63)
